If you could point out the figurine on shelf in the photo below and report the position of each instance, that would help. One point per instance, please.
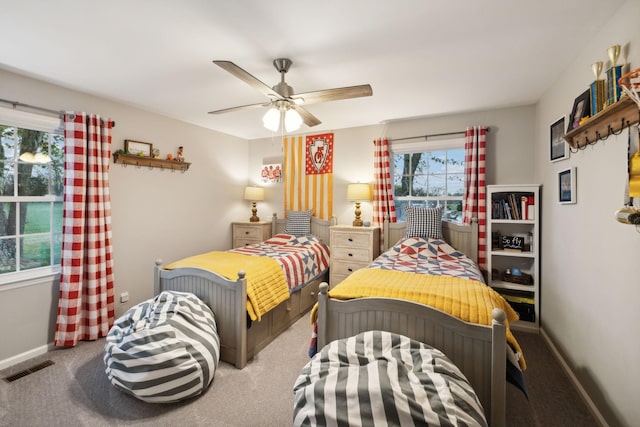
(155, 153)
(180, 156)
(169, 156)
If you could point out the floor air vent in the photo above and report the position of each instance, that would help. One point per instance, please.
(28, 371)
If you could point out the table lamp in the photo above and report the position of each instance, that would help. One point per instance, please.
(356, 193)
(254, 194)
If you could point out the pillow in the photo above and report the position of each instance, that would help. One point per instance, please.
(424, 222)
(298, 222)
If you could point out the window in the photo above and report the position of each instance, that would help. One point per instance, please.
(31, 190)
(429, 174)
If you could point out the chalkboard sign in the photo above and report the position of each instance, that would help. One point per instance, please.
(512, 243)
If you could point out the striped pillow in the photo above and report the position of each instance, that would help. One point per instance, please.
(424, 222)
(298, 222)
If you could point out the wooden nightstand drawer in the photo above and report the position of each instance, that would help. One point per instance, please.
(240, 242)
(247, 232)
(250, 233)
(336, 279)
(346, 267)
(344, 238)
(352, 254)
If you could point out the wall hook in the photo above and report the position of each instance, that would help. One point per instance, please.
(622, 126)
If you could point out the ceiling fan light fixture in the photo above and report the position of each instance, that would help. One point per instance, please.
(292, 120)
(271, 119)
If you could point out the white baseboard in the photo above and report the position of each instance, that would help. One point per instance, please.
(587, 399)
(18, 358)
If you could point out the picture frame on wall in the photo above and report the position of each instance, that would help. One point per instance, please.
(558, 147)
(581, 108)
(138, 148)
(567, 186)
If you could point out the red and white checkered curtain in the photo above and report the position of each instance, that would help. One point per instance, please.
(475, 197)
(86, 299)
(383, 205)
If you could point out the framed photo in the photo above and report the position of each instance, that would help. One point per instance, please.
(138, 148)
(581, 108)
(567, 186)
(559, 148)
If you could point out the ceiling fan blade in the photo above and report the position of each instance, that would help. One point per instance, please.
(248, 78)
(241, 107)
(335, 94)
(308, 118)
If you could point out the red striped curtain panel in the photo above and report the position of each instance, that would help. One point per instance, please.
(86, 299)
(475, 197)
(308, 174)
(383, 204)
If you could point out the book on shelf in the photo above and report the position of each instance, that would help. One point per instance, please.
(513, 206)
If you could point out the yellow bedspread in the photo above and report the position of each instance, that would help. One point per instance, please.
(466, 299)
(266, 285)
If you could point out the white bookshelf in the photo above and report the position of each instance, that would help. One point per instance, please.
(513, 243)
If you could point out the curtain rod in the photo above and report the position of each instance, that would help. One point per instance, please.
(16, 104)
(462, 132)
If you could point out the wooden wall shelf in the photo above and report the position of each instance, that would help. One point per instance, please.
(611, 120)
(140, 161)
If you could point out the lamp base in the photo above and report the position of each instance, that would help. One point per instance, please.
(358, 221)
(254, 211)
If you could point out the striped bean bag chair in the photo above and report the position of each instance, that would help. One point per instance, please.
(378, 378)
(165, 349)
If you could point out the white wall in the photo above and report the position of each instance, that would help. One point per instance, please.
(510, 144)
(589, 279)
(155, 213)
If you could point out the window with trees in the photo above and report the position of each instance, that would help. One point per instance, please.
(31, 194)
(429, 175)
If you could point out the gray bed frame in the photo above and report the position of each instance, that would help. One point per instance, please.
(228, 301)
(478, 350)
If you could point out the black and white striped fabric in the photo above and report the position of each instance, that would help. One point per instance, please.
(165, 349)
(382, 379)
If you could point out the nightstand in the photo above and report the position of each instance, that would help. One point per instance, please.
(352, 248)
(247, 233)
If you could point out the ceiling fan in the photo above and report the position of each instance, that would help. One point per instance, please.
(284, 101)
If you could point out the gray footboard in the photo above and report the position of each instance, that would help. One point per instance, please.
(228, 301)
(226, 298)
(479, 351)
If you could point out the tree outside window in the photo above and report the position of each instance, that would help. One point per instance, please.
(31, 189)
(430, 179)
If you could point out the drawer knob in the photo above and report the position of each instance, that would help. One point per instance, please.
(350, 270)
(246, 232)
(350, 239)
(313, 294)
(350, 254)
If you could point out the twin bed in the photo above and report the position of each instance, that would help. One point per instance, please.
(478, 350)
(241, 338)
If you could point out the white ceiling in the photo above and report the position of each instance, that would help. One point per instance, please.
(422, 57)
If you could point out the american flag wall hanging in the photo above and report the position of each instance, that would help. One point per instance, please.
(308, 171)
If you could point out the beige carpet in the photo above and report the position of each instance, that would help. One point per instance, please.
(75, 391)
